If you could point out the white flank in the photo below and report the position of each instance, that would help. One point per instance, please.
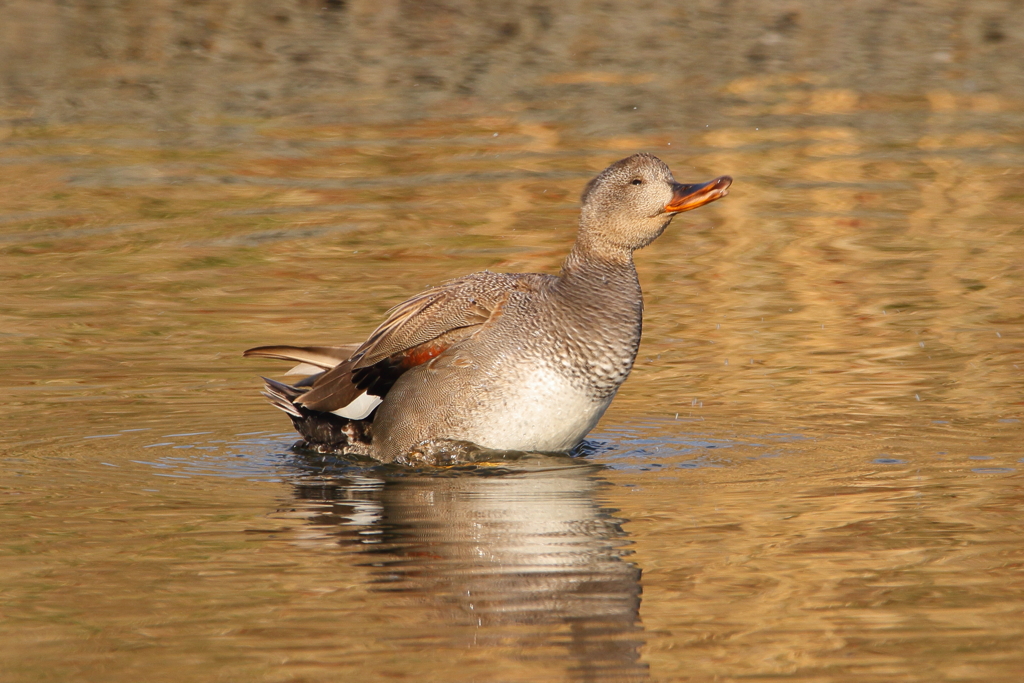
(360, 408)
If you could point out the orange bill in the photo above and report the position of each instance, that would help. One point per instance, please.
(688, 197)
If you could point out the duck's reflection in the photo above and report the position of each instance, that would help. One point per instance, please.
(525, 560)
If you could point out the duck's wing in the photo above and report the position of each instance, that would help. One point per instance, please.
(467, 302)
(317, 362)
(415, 332)
(310, 359)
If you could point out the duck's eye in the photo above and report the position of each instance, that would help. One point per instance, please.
(637, 181)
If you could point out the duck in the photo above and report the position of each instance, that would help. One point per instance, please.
(512, 362)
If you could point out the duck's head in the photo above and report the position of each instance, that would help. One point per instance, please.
(632, 201)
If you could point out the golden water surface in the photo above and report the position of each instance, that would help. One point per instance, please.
(814, 472)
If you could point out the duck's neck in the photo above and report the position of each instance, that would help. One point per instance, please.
(591, 261)
(603, 281)
(602, 290)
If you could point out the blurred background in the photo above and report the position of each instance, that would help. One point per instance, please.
(812, 473)
(313, 163)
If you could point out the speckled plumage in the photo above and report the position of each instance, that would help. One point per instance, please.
(524, 362)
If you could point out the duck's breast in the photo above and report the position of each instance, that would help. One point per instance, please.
(542, 411)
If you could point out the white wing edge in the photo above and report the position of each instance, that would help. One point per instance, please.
(360, 408)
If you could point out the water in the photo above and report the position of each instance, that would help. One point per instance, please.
(813, 473)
